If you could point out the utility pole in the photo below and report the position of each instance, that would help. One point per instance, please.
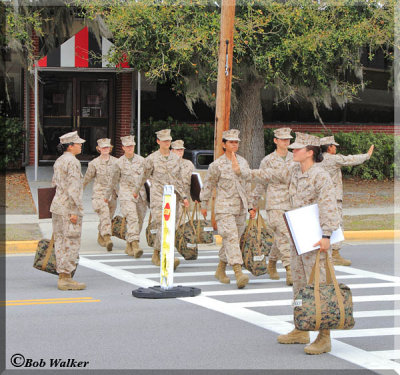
(224, 83)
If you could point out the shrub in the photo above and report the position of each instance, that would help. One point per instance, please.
(199, 137)
(12, 142)
(382, 163)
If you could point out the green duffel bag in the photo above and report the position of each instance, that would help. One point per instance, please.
(185, 237)
(45, 257)
(151, 232)
(255, 245)
(118, 227)
(323, 306)
(203, 228)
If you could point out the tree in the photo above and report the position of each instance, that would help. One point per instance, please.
(297, 49)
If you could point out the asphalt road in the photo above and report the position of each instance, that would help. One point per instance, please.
(106, 327)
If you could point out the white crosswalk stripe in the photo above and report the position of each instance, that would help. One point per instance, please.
(270, 294)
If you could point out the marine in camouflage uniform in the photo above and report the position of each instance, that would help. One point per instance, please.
(333, 163)
(277, 202)
(101, 170)
(314, 185)
(127, 172)
(162, 167)
(230, 176)
(187, 168)
(67, 210)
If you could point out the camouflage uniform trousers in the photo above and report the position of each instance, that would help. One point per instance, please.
(281, 247)
(338, 245)
(67, 242)
(230, 228)
(105, 211)
(302, 265)
(134, 212)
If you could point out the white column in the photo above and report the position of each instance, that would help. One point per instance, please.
(36, 120)
(138, 112)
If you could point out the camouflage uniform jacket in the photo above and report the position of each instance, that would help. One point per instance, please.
(313, 186)
(277, 197)
(232, 189)
(67, 179)
(127, 174)
(333, 164)
(161, 170)
(187, 169)
(102, 172)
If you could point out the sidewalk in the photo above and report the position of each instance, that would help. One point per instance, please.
(90, 221)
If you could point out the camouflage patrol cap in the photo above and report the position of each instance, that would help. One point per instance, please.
(104, 142)
(164, 135)
(282, 133)
(128, 140)
(71, 137)
(177, 145)
(302, 140)
(328, 141)
(231, 135)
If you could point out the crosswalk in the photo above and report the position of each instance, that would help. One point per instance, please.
(267, 303)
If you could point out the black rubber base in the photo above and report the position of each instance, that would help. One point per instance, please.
(156, 292)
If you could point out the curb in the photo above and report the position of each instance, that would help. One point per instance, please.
(17, 247)
(357, 235)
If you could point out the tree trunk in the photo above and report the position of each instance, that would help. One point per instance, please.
(247, 117)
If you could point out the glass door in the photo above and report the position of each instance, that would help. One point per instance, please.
(80, 101)
(57, 115)
(93, 114)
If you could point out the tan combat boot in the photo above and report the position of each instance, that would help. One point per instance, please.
(241, 279)
(177, 262)
(128, 249)
(220, 274)
(273, 273)
(108, 243)
(289, 280)
(338, 260)
(155, 259)
(322, 344)
(66, 283)
(100, 240)
(137, 252)
(295, 337)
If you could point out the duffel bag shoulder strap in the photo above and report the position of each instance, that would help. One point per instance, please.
(197, 218)
(250, 225)
(314, 278)
(332, 278)
(48, 253)
(121, 233)
(260, 222)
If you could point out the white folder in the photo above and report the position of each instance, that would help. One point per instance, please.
(305, 229)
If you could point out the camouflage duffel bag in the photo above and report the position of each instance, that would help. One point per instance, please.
(118, 227)
(185, 237)
(323, 306)
(45, 257)
(255, 245)
(203, 228)
(151, 232)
